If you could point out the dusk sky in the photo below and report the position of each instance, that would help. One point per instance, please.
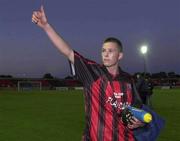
(26, 51)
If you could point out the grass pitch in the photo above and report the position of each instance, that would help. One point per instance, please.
(59, 115)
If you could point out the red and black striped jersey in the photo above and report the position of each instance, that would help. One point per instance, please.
(105, 96)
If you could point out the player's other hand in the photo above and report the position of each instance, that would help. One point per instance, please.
(39, 18)
(135, 123)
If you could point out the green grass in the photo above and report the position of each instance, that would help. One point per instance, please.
(41, 116)
(59, 115)
(167, 104)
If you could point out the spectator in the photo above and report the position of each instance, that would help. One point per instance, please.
(144, 88)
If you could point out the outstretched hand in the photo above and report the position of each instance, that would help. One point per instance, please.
(39, 18)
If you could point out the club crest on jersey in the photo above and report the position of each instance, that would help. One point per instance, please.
(129, 86)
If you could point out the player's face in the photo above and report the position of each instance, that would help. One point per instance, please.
(111, 54)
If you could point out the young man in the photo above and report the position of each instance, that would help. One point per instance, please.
(107, 88)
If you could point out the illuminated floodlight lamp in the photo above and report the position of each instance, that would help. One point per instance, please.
(144, 49)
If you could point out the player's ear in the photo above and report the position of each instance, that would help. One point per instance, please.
(120, 55)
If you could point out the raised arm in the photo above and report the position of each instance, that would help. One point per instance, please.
(40, 19)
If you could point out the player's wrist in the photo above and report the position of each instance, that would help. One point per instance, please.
(46, 26)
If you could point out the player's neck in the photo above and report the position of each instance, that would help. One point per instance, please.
(114, 70)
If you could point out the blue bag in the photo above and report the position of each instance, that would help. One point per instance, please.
(151, 130)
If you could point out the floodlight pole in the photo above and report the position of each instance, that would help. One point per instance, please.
(144, 49)
(145, 70)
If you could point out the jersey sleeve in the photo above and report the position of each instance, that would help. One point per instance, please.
(86, 70)
(137, 102)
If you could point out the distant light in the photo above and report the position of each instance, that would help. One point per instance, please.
(144, 49)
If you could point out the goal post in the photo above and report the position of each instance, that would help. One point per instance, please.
(29, 85)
